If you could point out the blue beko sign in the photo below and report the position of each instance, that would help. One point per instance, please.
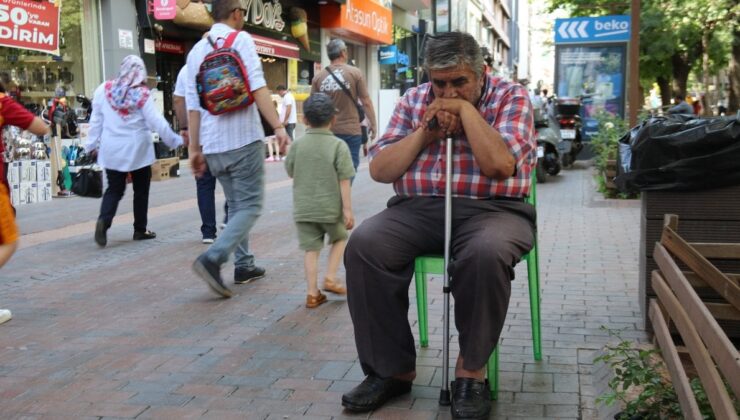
(583, 30)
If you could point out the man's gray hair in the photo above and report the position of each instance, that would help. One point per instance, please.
(451, 49)
(334, 48)
(221, 9)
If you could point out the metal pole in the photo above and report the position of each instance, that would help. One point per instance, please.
(634, 63)
(444, 393)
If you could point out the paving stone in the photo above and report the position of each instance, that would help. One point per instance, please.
(146, 332)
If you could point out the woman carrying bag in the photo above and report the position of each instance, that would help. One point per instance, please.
(124, 115)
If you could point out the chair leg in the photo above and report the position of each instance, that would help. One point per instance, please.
(492, 371)
(420, 279)
(533, 271)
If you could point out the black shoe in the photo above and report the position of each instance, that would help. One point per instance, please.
(147, 234)
(245, 275)
(101, 236)
(471, 399)
(373, 392)
(210, 272)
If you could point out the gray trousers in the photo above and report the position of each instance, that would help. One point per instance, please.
(489, 237)
(241, 175)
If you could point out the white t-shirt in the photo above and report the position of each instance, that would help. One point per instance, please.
(288, 99)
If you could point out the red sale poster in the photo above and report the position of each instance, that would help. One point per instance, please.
(30, 24)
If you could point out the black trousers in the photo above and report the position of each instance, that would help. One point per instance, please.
(142, 178)
(489, 237)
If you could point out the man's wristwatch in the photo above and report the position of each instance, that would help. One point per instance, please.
(278, 127)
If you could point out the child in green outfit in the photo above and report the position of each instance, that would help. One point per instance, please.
(321, 167)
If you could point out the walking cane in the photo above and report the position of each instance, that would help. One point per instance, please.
(444, 393)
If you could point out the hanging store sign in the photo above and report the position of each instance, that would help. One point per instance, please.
(275, 48)
(165, 9)
(369, 19)
(30, 25)
(170, 47)
(265, 13)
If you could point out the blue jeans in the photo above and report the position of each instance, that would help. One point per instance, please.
(206, 188)
(355, 143)
(241, 174)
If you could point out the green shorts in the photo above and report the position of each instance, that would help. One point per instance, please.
(311, 235)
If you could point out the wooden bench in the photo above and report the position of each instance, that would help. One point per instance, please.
(678, 305)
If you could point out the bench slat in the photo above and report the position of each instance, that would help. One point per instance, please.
(721, 348)
(685, 394)
(710, 378)
(727, 251)
(715, 278)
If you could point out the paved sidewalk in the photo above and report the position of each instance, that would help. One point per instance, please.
(129, 332)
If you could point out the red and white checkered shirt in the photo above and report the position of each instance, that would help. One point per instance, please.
(505, 106)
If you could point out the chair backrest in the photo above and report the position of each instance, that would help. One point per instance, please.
(532, 197)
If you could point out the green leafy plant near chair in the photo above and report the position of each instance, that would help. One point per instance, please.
(641, 383)
(605, 144)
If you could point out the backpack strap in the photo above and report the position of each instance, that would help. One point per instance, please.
(228, 41)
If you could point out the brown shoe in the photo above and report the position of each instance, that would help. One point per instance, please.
(314, 301)
(334, 287)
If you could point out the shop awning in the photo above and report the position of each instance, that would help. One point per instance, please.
(275, 48)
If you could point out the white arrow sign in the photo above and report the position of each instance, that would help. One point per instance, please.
(575, 30)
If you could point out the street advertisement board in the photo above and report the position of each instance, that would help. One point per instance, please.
(596, 75)
(30, 25)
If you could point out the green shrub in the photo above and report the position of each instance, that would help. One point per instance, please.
(642, 385)
(605, 142)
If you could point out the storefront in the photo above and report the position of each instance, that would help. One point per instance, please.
(398, 62)
(285, 32)
(364, 26)
(45, 51)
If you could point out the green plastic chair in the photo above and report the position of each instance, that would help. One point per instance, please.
(434, 264)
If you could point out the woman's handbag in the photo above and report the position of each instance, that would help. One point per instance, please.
(88, 183)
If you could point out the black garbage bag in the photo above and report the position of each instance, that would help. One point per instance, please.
(681, 153)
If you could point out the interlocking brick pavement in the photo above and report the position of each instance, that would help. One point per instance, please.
(129, 332)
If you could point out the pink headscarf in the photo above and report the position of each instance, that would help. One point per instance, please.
(128, 92)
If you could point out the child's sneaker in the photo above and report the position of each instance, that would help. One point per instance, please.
(5, 315)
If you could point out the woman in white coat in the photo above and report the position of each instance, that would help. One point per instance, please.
(124, 115)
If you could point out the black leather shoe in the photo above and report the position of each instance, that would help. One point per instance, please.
(142, 236)
(471, 399)
(373, 392)
(246, 275)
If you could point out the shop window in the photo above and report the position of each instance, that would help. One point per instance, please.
(33, 78)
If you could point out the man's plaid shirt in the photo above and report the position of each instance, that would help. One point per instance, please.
(505, 106)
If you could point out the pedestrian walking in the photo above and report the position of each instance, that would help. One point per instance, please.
(321, 167)
(681, 106)
(124, 115)
(12, 113)
(346, 86)
(206, 184)
(288, 111)
(490, 124)
(231, 146)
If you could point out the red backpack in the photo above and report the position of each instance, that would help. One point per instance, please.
(222, 80)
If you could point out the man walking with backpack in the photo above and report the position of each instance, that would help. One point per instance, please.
(346, 86)
(225, 131)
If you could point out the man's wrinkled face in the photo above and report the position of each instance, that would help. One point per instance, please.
(458, 82)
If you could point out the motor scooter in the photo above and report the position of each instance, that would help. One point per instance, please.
(84, 110)
(547, 133)
(567, 113)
